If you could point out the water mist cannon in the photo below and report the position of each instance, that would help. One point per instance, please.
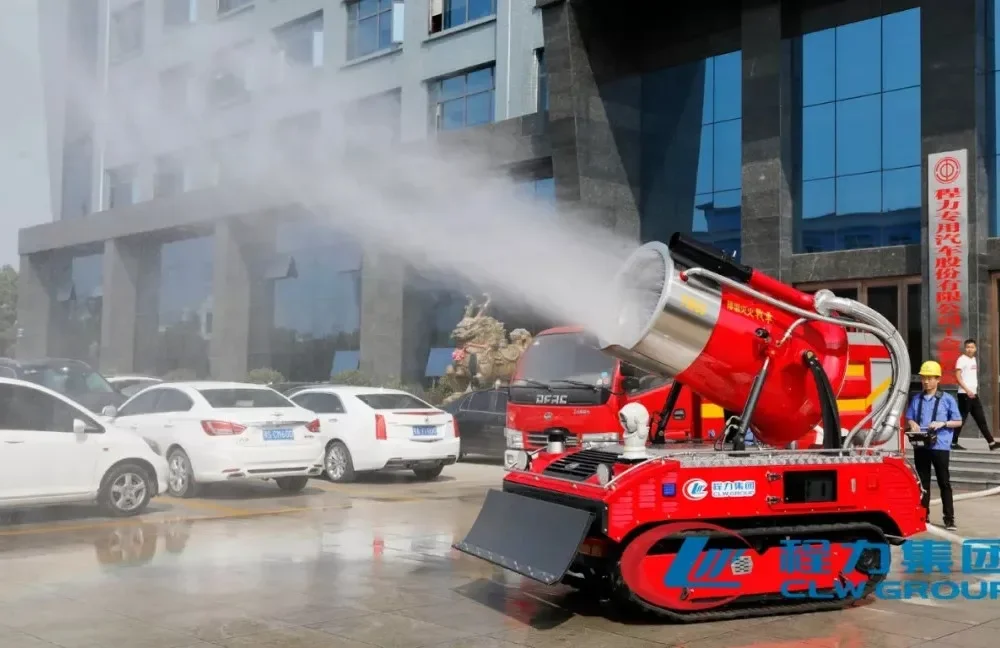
(743, 340)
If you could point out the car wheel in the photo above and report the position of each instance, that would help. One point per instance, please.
(126, 491)
(338, 464)
(291, 484)
(180, 479)
(427, 474)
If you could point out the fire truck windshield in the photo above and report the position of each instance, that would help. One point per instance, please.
(563, 360)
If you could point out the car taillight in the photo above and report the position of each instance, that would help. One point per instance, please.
(380, 427)
(222, 428)
(313, 426)
(454, 426)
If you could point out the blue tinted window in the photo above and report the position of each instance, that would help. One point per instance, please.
(690, 165)
(369, 27)
(465, 99)
(185, 314)
(860, 140)
(316, 317)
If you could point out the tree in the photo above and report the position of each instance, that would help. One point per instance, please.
(8, 309)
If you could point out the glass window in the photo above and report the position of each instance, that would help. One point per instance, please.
(244, 397)
(74, 379)
(465, 99)
(369, 27)
(392, 401)
(885, 300)
(301, 41)
(458, 12)
(82, 309)
(184, 315)
(144, 403)
(328, 404)
(480, 402)
(563, 357)
(127, 30)
(688, 165)
(316, 313)
(860, 140)
(500, 402)
(171, 400)
(23, 408)
(542, 97)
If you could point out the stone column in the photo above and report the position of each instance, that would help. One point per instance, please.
(953, 116)
(147, 307)
(231, 293)
(767, 142)
(118, 320)
(383, 290)
(590, 165)
(38, 320)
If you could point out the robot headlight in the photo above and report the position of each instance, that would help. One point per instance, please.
(603, 474)
(521, 460)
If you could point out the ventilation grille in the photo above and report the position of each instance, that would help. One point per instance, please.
(580, 466)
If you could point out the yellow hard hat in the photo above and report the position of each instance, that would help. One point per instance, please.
(930, 368)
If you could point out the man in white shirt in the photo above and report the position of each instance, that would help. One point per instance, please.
(967, 373)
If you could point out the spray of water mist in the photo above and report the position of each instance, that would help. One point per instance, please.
(443, 209)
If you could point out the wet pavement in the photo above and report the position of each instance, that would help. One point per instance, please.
(362, 565)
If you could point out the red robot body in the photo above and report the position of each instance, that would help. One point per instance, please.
(622, 522)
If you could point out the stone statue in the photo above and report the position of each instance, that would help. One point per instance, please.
(483, 354)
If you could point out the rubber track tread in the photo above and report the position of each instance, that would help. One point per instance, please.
(812, 532)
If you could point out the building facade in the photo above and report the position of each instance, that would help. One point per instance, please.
(795, 135)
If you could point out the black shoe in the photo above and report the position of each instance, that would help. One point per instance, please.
(994, 445)
(950, 526)
(957, 447)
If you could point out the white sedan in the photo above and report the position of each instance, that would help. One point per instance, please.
(373, 429)
(219, 431)
(53, 451)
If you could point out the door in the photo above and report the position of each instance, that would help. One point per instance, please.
(139, 413)
(476, 412)
(42, 456)
(329, 409)
(494, 441)
(169, 422)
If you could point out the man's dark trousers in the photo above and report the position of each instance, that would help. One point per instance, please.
(940, 460)
(973, 406)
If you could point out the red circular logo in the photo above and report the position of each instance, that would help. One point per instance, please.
(946, 170)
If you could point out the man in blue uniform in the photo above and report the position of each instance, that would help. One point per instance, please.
(931, 416)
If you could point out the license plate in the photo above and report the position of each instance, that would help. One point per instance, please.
(424, 431)
(282, 434)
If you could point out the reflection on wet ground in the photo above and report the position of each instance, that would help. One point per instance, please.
(364, 565)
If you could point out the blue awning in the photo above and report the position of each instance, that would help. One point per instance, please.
(345, 361)
(437, 362)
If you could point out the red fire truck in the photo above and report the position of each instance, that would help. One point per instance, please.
(565, 382)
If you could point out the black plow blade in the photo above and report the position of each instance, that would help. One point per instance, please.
(528, 536)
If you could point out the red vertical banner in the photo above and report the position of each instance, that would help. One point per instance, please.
(948, 239)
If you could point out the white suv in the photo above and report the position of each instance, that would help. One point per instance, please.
(52, 451)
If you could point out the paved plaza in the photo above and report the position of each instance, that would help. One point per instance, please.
(368, 564)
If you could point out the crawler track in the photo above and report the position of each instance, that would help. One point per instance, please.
(768, 605)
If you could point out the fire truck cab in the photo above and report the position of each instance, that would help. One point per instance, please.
(565, 383)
